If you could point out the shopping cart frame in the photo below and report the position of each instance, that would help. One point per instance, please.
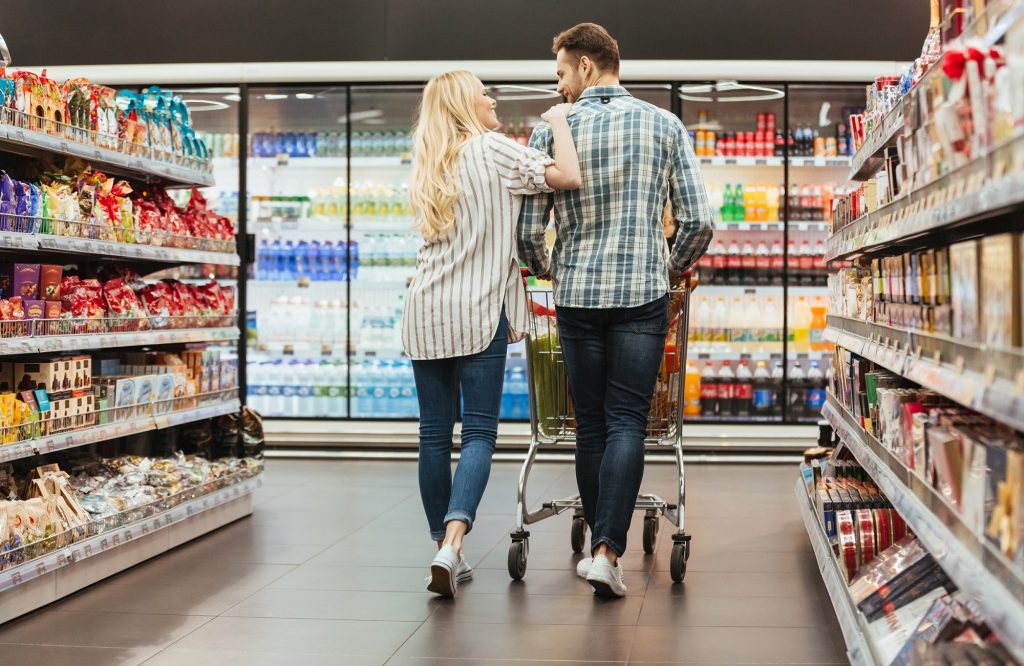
(653, 506)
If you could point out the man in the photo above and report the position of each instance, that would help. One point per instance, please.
(611, 275)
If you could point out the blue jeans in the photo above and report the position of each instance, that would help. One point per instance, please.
(612, 358)
(481, 377)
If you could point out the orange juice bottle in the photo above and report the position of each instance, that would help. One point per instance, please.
(819, 320)
(691, 391)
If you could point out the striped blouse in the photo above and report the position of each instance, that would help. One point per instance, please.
(454, 303)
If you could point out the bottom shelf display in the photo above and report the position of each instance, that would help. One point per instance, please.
(50, 518)
(893, 599)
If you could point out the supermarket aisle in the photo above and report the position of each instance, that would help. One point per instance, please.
(330, 570)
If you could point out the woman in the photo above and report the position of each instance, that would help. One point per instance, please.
(467, 299)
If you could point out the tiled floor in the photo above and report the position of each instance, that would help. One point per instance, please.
(330, 570)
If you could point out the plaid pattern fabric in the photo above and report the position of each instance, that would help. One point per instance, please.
(610, 250)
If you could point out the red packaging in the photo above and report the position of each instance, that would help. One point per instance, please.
(49, 282)
(52, 309)
(866, 534)
(121, 300)
(17, 308)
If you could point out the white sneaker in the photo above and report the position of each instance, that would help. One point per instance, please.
(583, 567)
(605, 578)
(443, 573)
(464, 572)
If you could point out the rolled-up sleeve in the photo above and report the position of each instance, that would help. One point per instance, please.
(520, 167)
(689, 204)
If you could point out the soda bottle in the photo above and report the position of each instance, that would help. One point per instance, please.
(719, 264)
(727, 204)
(726, 390)
(780, 143)
(777, 260)
(708, 392)
(815, 400)
(748, 263)
(762, 264)
(797, 392)
(523, 138)
(806, 264)
(819, 320)
(743, 390)
(734, 263)
(739, 204)
(763, 393)
(777, 379)
(700, 143)
(692, 391)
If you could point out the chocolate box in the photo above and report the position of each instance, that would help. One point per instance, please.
(34, 309)
(49, 282)
(24, 281)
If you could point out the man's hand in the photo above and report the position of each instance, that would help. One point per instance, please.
(677, 278)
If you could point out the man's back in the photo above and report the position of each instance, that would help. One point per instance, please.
(610, 251)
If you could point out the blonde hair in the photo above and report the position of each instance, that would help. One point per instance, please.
(447, 121)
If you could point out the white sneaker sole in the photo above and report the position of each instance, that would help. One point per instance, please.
(604, 588)
(442, 581)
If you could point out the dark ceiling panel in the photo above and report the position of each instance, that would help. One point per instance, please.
(68, 32)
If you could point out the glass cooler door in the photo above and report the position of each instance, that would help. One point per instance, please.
(735, 356)
(298, 195)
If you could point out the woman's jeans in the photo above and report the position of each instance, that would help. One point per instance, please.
(437, 382)
(611, 358)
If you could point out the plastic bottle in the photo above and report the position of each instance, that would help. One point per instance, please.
(719, 264)
(350, 271)
(763, 394)
(709, 383)
(301, 257)
(743, 391)
(762, 264)
(691, 390)
(733, 263)
(819, 320)
(777, 262)
(739, 204)
(726, 390)
(778, 375)
(748, 262)
(801, 326)
(701, 324)
(736, 321)
(797, 392)
(262, 260)
(815, 399)
(313, 261)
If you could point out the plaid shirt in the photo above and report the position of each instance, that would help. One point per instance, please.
(610, 250)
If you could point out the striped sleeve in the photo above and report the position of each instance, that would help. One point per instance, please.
(520, 168)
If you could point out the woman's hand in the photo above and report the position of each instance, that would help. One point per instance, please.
(557, 111)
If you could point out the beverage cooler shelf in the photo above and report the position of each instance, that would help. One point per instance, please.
(979, 570)
(986, 379)
(987, 187)
(774, 161)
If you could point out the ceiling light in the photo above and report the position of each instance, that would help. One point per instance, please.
(718, 92)
(275, 96)
(510, 93)
(233, 98)
(357, 116)
(204, 105)
(305, 96)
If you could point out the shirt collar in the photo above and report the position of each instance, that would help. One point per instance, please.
(604, 91)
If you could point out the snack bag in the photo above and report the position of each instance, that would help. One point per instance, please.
(8, 202)
(121, 302)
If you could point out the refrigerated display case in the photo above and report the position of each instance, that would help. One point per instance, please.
(325, 182)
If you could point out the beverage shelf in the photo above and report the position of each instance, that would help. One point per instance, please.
(43, 580)
(16, 137)
(43, 336)
(986, 379)
(985, 188)
(981, 573)
(859, 649)
(331, 163)
(794, 225)
(102, 433)
(820, 162)
(867, 161)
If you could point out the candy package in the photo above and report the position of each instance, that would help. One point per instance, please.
(122, 302)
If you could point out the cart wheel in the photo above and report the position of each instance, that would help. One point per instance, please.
(650, 534)
(678, 566)
(579, 534)
(517, 559)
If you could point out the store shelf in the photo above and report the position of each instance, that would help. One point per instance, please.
(858, 644)
(773, 226)
(45, 579)
(819, 162)
(981, 573)
(986, 379)
(90, 340)
(867, 161)
(102, 433)
(332, 163)
(83, 245)
(18, 139)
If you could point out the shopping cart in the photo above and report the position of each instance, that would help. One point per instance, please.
(552, 422)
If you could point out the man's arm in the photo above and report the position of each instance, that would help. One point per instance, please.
(689, 204)
(533, 219)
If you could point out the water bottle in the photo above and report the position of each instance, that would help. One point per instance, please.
(410, 401)
(520, 391)
(353, 266)
(274, 261)
(275, 402)
(301, 255)
(304, 380)
(338, 268)
(261, 260)
(316, 270)
(506, 410)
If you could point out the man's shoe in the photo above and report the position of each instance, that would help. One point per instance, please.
(444, 573)
(605, 578)
(583, 567)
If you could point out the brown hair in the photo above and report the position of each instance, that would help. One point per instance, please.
(591, 40)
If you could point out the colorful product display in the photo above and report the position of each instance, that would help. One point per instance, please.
(386, 143)
(769, 141)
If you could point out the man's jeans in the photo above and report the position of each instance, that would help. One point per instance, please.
(612, 358)
(481, 377)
